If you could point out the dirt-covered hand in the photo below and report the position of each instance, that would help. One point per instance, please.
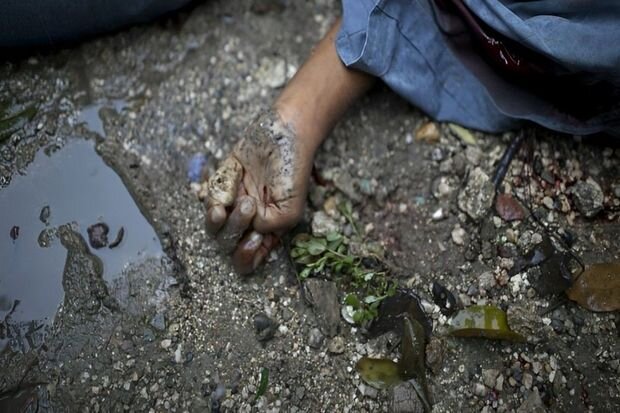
(259, 191)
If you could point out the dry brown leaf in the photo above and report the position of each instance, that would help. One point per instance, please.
(428, 133)
(598, 288)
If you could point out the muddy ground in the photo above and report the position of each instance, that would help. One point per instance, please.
(173, 330)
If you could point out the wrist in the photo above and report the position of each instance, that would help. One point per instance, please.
(308, 131)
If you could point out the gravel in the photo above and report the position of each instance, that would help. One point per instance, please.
(191, 85)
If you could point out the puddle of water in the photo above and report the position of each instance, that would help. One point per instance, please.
(89, 115)
(79, 188)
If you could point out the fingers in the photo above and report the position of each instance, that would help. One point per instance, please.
(216, 216)
(252, 251)
(236, 224)
(278, 217)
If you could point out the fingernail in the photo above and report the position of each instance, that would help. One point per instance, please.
(217, 215)
(246, 206)
(254, 241)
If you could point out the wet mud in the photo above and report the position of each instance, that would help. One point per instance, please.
(63, 193)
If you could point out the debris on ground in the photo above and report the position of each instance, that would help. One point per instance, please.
(598, 287)
(98, 235)
(482, 321)
(176, 331)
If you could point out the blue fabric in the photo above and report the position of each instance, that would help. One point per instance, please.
(400, 41)
(25, 23)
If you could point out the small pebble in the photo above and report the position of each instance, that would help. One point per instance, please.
(336, 345)
(458, 235)
(315, 338)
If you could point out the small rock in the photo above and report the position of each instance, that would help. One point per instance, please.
(336, 345)
(499, 383)
(368, 391)
(489, 377)
(14, 232)
(323, 297)
(404, 399)
(178, 354)
(473, 154)
(195, 167)
(46, 237)
(442, 189)
(148, 335)
(315, 338)
(345, 183)
(330, 206)
(479, 390)
(446, 166)
(533, 404)
(486, 280)
(588, 197)
(165, 343)
(508, 208)
(428, 132)
(438, 215)
(548, 202)
(437, 155)
(98, 235)
(158, 322)
(322, 224)
(264, 327)
(272, 73)
(44, 216)
(528, 380)
(458, 235)
(477, 196)
(435, 355)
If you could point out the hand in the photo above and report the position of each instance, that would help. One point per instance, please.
(259, 191)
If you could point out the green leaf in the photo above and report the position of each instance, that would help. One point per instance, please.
(264, 382)
(463, 134)
(297, 252)
(484, 321)
(378, 373)
(349, 260)
(334, 236)
(411, 364)
(352, 300)
(333, 245)
(317, 246)
(371, 299)
(305, 273)
(300, 239)
(305, 259)
(358, 316)
(346, 208)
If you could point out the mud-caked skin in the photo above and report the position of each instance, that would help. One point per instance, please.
(259, 190)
